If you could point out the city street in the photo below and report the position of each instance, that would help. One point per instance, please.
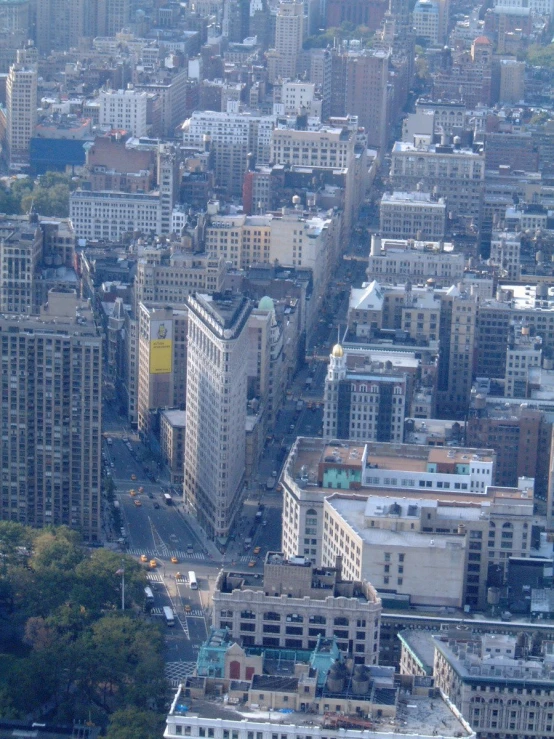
(147, 525)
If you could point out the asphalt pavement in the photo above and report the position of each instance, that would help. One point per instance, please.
(162, 532)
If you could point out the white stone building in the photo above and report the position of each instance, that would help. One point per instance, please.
(314, 469)
(289, 35)
(397, 260)
(385, 538)
(412, 215)
(109, 215)
(292, 238)
(363, 405)
(505, 253)
(454, 173)
(493, 680)
(296, 603)
(231, 137)
(124, 110)
(426, 19)
(215, 444)
(403, 542)
(523, 353)
(21, 110)
(299, 98)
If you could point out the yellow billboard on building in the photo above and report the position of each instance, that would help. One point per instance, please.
(161, 347)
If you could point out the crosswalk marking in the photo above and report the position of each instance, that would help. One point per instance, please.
(196, 612)
(184, 624)
(165, 553)
(154, 577)
(175, 672)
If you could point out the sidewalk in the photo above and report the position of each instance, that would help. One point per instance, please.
(209, 546)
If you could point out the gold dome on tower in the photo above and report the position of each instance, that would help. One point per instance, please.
(338, 351)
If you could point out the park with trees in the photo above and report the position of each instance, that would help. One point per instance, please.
(68, 650)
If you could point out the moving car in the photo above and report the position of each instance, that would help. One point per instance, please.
(174, 561)
(137, 503)
(252, 563)
(153, 564)
(133, 476)
(257, 550)
(143, 558)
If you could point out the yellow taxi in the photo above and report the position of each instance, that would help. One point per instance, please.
(174, 561)
(153, 564)
(257, 550)
(143, 558)
(132, 493)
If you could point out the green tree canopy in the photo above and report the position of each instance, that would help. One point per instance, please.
(346, 32)
(68, 645)
(48, 195)
(541, 56)
(132, 724)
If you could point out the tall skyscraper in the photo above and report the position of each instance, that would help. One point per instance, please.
(236, 19)
(161, 361)
(217, 354)
(61, 23)
(111, 16)
(21, 110)
(168, 183)
(402, 16)
(366, 93)
(289, 34)
(20, 257)
(15, 17)
(51, 416)
(457, 341)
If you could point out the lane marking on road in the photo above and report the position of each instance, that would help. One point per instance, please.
(179, 553)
